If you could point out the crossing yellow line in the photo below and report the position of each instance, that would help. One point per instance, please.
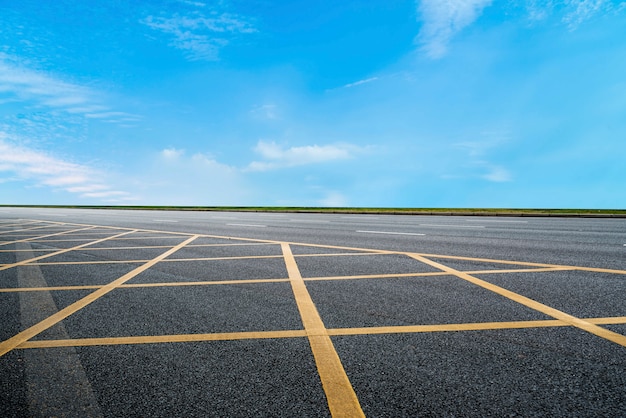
(65, 250)
(520, 263)
(13, 231)
(555, 313)
(405, 329)
(342, 400)
(27, 334)
(45, 236)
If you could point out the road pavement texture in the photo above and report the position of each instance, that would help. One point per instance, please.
(106, 320)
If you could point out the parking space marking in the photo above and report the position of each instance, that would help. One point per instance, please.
(65, 250)
(38, 239)
(533, 304)
(27, 334)
(340, 395)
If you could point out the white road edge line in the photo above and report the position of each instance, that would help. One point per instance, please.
(454, 226)
(390, 233)
(252, 225)
(163, 220)
(493, 220)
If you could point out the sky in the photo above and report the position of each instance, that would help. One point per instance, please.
(369, 103)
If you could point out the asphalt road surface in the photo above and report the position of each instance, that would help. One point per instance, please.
(144, 313)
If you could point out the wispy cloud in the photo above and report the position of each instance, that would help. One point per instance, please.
(44, 170)
(266, 111)
(18, 83)
(199, 36)
(28, 85)
(582, 10)
(358, 83)
(276, 156)
(442, 19)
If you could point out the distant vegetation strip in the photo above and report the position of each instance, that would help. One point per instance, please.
(620, 213)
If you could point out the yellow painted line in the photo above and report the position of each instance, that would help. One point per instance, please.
(334, 255)
(13, 231)
(376, 276)
(27, 334)
(44, 236)
(65, 250)
(48, 289)
(342, 400)
(169, 260)
(244, 257)
(146, 247)
(531, 270)
(181, 338)
(521, 263)
(73, 263)
(204, 283)
(477, 326)
(540, 307)
(140, 285)
(409, 329)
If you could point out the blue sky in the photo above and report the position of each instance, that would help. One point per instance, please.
(428, 103)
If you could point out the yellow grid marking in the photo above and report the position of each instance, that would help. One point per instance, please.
(342, 400)
(13, 231)
(537, 306)
(340, 395)
(29, 333)
(49, 235)
(65, 250)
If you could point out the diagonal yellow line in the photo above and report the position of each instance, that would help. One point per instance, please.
(12, 231)
(555, 313)
(342, 400)
(65, 250)
(29, 333)
(522, 263)
(45, 236)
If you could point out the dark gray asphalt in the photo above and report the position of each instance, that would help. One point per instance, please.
(534, 371)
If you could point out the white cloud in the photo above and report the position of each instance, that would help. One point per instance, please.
(172, 153)
(581, 10)
(276, 156)
(27, 85)
(442, 19)
(200, 37)
(45, 170)
(266, 111)
(358, 83)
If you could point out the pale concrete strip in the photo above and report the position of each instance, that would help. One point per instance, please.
(342, 400)
(540, 307)
(29, 333)
(56, 381)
